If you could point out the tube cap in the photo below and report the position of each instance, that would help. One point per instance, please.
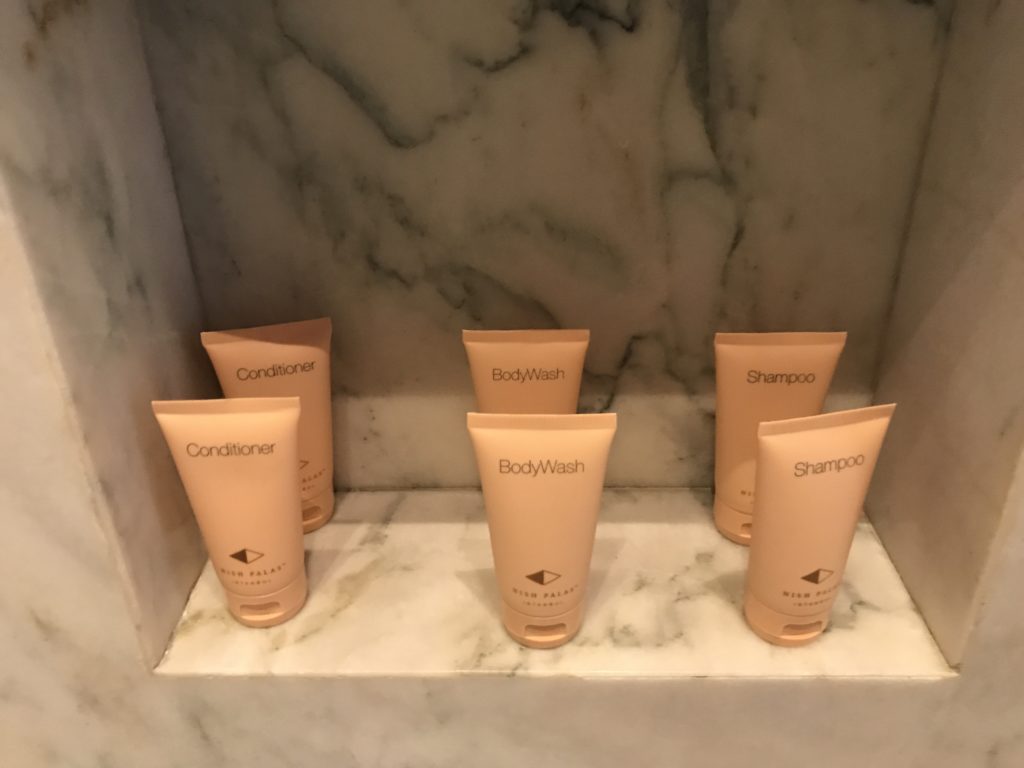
(269, 610)
(732, 523)
(781, 628)
(542, 631)
(317, 510)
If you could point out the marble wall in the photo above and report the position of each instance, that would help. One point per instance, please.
(73, 691)
(953, 356)
(654, 171)
(90, 210)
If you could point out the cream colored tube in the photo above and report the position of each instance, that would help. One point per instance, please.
(290, 359)
(761, 377)
(238, 461)
(542, 478)
(812, 477)
(526, 371)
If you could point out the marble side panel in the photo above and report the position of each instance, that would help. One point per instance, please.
(654, 171)
(993, 662)
(91, 209)
(954, 358)
(402, 583)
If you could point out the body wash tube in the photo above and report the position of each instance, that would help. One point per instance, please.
(761, 377)
(238, 462)
(286, 360)
(526, 371)
(812, 477)
(542, 478)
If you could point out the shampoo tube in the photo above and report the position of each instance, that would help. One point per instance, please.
(238, 461)
(542, 478)
(526, 371)
(812, 477)
(286, 360)
(761, 377)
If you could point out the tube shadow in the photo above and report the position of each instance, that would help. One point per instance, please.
(483, 585)
(319, 564)
(729, 586)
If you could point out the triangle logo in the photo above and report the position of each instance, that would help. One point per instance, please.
(247, 555)
(544, 577)
(818, 576)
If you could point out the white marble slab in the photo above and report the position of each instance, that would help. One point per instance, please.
(402, 585)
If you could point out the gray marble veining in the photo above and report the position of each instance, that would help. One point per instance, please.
(654, 171)
(402, 584)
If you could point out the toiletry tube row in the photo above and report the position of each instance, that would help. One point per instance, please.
(258, 470)
(790, 482)
(542, 469)
(258, 466)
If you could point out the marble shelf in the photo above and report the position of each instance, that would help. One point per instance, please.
(401, 586)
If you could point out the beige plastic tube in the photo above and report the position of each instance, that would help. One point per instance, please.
(542, 478)
(761, 377)
(526, 371)
(286, 360)
(812, 477)
(238, 461)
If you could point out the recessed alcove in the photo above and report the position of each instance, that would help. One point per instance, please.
(646, 172)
